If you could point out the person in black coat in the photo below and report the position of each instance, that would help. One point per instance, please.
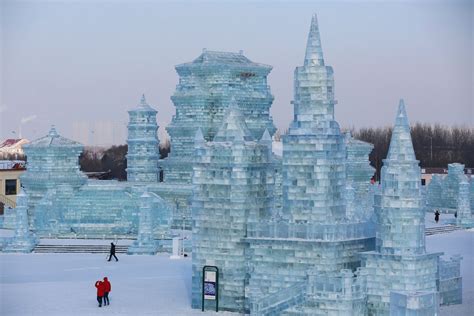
(112, 252)
(437, 216)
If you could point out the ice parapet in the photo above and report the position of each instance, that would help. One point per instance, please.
(23, 240)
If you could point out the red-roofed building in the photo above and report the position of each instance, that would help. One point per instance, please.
(12, 147)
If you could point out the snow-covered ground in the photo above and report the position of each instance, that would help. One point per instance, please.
(63, 284)
(458, 242)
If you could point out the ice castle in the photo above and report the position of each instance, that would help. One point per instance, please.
(301, 234)
(337, 245)
(452, 193)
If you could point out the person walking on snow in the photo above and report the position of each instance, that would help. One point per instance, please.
(100, 291)
(112, 252)
(437, 216)
(107, 289)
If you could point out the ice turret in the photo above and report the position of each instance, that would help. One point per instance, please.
(401, 146)
(400, 263)
(314, 51)
(399, 208)
(143, 153)
(314, 149)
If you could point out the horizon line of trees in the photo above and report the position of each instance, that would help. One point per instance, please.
(435, 147)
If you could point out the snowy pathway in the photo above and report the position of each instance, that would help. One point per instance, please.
(63, 284)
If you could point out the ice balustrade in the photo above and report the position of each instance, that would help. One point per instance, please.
(307, 231)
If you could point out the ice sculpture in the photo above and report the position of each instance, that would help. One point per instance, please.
(52, 161)
(443, 193)
(465, 217)
(65, 203)
(23, 240)
(201, 97)
(143, 154)
(310, 232)
(313, 150)
(358, 168)
(232, 186)
(450, 280)
(417, 303)
(400, 262)
(145, 242)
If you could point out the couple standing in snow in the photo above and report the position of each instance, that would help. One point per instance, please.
(103, 289)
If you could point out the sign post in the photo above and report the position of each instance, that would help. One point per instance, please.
(210, 285)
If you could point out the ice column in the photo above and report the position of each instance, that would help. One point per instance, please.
(145, 243)
(464, 218)
(23, 240)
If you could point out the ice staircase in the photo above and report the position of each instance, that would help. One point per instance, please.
(277, 303)
(45, 248)
(7, 201)
(441, 229)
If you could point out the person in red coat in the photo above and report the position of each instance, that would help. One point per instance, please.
(107, 289)
(100, 291)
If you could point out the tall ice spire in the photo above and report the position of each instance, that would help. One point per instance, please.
(314, 51)
(401, 146)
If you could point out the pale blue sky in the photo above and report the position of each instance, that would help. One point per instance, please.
(92, 60)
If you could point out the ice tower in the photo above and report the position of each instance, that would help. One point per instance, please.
(313, 151)
(143, 153)
(52, 161)
(311, 240)
(233, 186)
(202, 95)
(400, 262)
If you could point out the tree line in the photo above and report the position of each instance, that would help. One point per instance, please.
(435, 145)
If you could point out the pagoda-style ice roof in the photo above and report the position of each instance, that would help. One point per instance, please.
(53, 139)
(223, 58)
(143, 106)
